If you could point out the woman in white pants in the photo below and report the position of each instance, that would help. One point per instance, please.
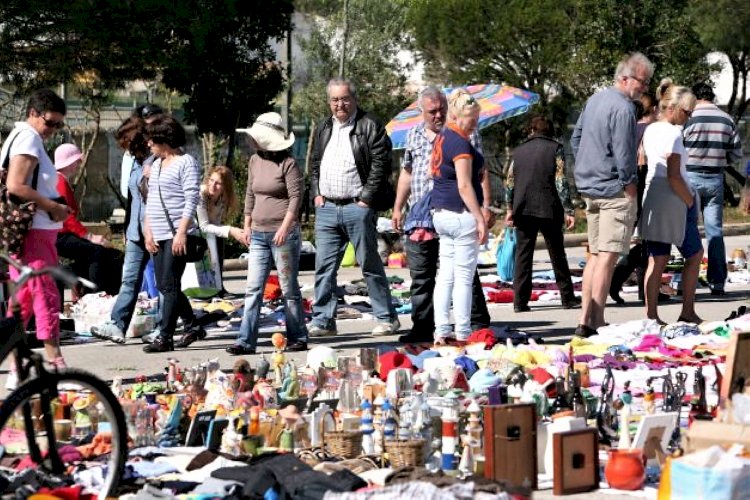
(456, 169)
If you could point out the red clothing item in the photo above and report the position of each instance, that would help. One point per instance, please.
(71, 224)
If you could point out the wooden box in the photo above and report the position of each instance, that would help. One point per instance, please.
(737, 372)
(576, 461)
(510, 444)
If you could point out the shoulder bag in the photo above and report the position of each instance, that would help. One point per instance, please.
(16, 215)
(195, 246)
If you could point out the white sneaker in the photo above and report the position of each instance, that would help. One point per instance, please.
(11, 383)
(316, 331)
(387, 328)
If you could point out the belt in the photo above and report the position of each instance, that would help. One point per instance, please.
(706, 170)
(343, 201)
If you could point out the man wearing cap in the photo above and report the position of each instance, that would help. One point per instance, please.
(92, 257)
(603, 143)
(350, 181)
(713, 143)
(422, 244)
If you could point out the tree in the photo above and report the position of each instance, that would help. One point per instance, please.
(218, 53)
(603, 31)
(723, 27)
(376, 35)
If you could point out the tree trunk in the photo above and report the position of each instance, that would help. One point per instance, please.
(86, 149)
(734, 62)
(743, 102)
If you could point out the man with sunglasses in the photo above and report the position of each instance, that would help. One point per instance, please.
(31, 176)
(604, 147)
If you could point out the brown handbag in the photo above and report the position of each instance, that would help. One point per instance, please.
(16, 215)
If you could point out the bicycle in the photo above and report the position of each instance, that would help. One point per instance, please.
(41, 394)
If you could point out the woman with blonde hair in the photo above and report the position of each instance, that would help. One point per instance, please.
(670, 213)
(456, 168)
(217, 202)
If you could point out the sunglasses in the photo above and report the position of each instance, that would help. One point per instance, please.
(150, 110)
(50, 123)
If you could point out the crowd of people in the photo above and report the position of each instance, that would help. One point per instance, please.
(649, 168)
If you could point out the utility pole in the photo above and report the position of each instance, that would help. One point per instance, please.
(344, 37)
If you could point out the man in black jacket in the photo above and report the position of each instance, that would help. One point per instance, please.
(350, 182)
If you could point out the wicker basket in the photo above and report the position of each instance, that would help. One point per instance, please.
(405, 453)
(345, 444)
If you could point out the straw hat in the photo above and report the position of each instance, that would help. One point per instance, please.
(269, 133)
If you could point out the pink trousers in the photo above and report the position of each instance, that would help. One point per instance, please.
(39, 296)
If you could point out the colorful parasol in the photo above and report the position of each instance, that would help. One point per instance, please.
(498, 102)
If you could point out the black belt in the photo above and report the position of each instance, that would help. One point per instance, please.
(343, 201)
(706, 170)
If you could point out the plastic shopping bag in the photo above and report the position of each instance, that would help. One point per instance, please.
(506, 255)
(709, 473)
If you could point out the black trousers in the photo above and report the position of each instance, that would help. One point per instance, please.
(527, 229)
(168, 269)
(423, 259)
(94, 262)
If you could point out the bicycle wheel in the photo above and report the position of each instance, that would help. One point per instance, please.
(60, 408)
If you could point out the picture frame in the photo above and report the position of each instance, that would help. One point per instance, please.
(215, 431)
(576, 461)
(198, 431)
(653, 435)
(737, 368)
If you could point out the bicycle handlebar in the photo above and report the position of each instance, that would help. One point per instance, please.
(56, 272)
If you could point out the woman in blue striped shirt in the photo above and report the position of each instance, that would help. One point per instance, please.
(174, 188)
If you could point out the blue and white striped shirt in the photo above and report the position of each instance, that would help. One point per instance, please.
(180, 189)
(711, 139)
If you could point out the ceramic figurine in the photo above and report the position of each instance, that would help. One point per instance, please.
(174, 377)
(624, 426)
(475, 426)
(117, 389)
(466, 464)
(290, 385)
(649, 401)
(262, 367)
(242, 376)
(231, 440)
(390, 422)
(405, 418)
(449, 432)
(368, 446)
(291, 416)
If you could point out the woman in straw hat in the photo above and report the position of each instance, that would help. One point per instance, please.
(272, 204)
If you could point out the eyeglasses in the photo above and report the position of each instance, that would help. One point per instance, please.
(344, 100)
(645, 82)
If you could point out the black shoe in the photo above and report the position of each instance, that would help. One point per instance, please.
(615, 296)
(296, 347)
(190, 336)
(718, 293)
(160, 344)
(663, 297)
(573, 304)
(584, 331)
(416, 338)
(521, 308)
(238, 350)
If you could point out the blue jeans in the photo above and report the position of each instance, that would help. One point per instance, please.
(136, 258)
(286, 258)
(710, 189)
(335, 226)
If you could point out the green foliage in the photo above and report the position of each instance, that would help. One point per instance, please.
(218, 53)
(605, 30)
(723, 27)
(376, 34)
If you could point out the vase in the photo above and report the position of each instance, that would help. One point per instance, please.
(626, 469)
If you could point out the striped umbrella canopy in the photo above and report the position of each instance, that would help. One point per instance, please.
(498, 103)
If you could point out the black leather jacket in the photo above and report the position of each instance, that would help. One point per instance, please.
(372, 155)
